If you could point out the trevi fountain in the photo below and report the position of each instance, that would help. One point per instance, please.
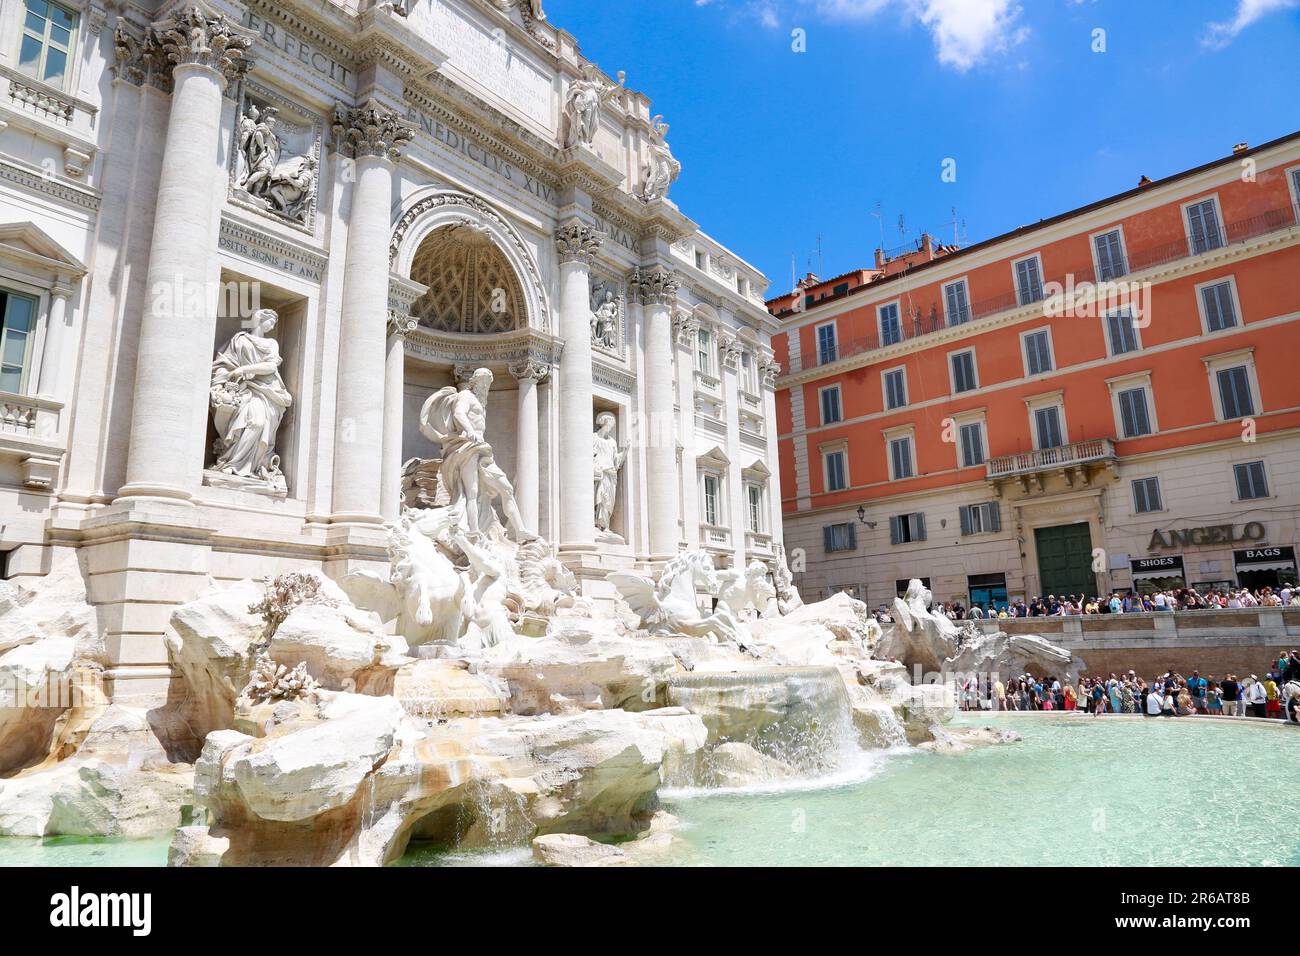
(471, 706)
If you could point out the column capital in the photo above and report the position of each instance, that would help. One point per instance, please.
(578, 242)
(401, 324)
(370, 130)
(655, 286)
(197, 35)
(532, 369)
(685, 327)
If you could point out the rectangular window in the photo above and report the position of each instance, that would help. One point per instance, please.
(1251, 481)
(1133, 412)
(1220, 313)
(1047, 426)
(972, 444)
(891, 330)
(827, 347)
(46, 49)
(704, 351)
(1122, 332)
(1234, 392)
(831, 405)
(900, 457)
(956, 307)
(980, 519)
(837, 470)
(17, 331)
(712, 500)
(839, 537)
(1029, 282)
(1038, 352)
(895, 388)
(1203, 226)
(963, 372)
(1110, 256)
(754, 498)
(907, 528)
(1146, 495)
(749, 372)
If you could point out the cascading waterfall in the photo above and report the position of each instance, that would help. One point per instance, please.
(797, 715)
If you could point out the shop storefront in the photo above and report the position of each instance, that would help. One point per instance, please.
(1164, 573)
(1265, 567)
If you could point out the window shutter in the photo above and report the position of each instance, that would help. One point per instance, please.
(964, 511)
(826, 538)
(918, 524)
(995, 516)
(852, 536)
(895, 529)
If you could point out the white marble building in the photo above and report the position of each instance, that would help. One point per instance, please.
(416, 193)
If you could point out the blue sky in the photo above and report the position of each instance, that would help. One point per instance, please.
(779, 147)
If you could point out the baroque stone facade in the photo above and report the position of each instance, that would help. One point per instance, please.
(413, 191)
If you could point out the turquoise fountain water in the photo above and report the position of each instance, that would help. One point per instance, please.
(1077, 791)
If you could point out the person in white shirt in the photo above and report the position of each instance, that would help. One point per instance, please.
(1257, 697)
(1154, 702)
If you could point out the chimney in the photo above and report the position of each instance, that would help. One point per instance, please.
(1239, 148)
(927, 246)
(880, 258)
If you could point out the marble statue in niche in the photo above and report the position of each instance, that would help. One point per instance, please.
(609, 459)
(283, 185)
(249, 401)
(605, 314)
(582, 105)
(662, 168)
(456, 420)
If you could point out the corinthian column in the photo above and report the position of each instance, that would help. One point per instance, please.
(390, 497)
(529, 375)
(205, 52)
(658, 291)
(577, 244)
(374, 137)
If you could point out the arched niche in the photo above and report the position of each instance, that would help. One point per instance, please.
(467, 230)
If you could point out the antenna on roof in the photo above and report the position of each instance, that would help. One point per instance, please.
(794, 275)
(902, 226)
(880, 220)
(821, 264)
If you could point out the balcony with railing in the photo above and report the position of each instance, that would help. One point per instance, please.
(1074, 465)
(29, 430)
(920, 324)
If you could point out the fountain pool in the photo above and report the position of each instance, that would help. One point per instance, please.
(1077, 791)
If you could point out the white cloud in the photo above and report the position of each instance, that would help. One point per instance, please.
(965, 31)
(1220, 34)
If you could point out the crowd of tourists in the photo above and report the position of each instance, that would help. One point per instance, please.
(1128, 602)
(1276, 694)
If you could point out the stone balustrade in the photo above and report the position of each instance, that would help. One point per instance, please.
(1240, 640)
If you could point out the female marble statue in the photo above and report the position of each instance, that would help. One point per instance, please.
(582, 105)
(249, 401)
(608, 460)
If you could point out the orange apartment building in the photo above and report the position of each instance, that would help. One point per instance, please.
(1108, 399)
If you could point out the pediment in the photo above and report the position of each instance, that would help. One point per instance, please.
(28, 243)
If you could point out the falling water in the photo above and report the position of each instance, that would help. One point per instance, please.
(797, 715)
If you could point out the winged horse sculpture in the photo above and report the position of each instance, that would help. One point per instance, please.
(670, 606)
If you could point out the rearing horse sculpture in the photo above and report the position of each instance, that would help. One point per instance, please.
(670, 607)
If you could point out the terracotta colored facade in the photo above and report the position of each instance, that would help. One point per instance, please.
(1180, 369)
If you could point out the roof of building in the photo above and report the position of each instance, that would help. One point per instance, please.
(1143, 186)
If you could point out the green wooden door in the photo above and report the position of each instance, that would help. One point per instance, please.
(1065, 560)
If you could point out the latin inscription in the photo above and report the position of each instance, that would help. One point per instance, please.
(298, 49)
